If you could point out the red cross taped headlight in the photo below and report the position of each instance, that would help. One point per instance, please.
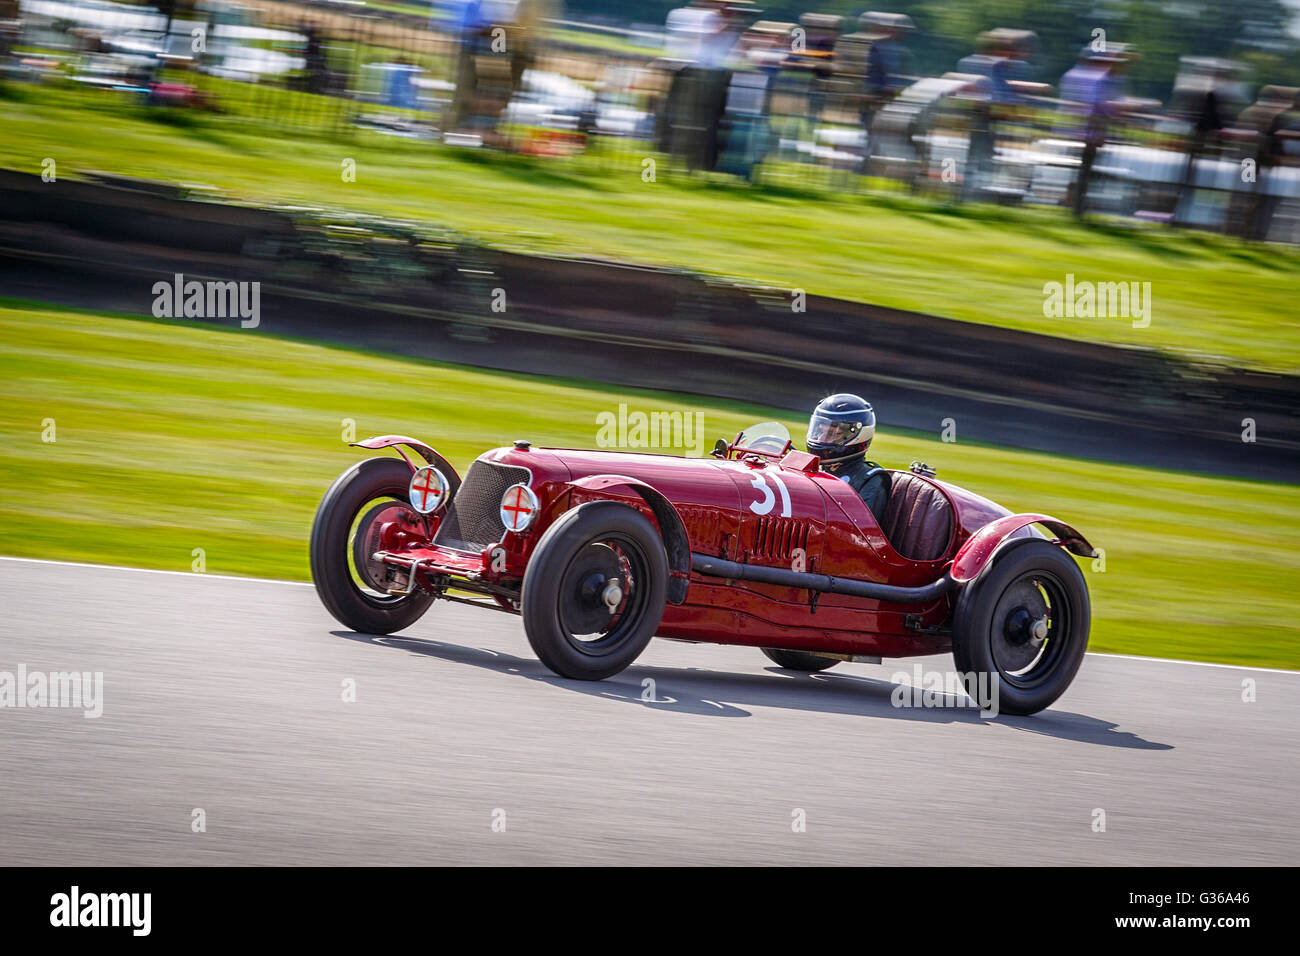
(428, 491)
(518, 507)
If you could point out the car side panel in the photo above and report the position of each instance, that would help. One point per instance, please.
(719, 503)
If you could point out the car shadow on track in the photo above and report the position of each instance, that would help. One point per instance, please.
(710, 693)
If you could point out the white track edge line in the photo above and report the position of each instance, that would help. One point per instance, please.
(1176, 660)
(184, 574)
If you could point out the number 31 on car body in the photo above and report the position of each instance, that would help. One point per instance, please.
(764, 505)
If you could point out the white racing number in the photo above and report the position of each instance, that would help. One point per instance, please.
(764, 505)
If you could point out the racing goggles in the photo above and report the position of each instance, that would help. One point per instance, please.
(826, 431)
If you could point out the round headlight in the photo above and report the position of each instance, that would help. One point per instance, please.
(518, 506)
(428, 490)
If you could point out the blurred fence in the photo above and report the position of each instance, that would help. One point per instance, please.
(403, 68)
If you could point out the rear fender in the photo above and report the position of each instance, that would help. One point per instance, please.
(979, 548)
(676, 544)
(427, 453)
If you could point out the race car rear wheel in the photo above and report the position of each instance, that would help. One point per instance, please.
(350, 584)
(595, 590)
(799, 660)
(1020, 629)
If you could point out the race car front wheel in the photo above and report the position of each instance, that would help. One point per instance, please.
(595, 590)
(352, 586)
(799, 660)
(1020, 629)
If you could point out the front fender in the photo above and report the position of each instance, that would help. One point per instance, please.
(676, 544)
(427, 453)
(980, 546)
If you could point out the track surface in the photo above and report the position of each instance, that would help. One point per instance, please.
(226, 695)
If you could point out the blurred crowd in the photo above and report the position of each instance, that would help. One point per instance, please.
(745, 91)
(718, 89)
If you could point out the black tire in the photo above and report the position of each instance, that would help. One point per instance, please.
(578, 557)
(1029, 583)
(959, 650)
(798, 660)
(960, 658)
(356, 493)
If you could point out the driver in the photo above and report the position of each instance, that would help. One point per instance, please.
(839, 433)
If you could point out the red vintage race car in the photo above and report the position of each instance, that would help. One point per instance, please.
(599, 551)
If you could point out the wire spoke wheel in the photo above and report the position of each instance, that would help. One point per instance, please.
(601, 597)
(351, 584)
(595, 590)
(372, 578)
(1020, 629)
(1031, 614)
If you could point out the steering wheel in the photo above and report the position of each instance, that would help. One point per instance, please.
(768, 443)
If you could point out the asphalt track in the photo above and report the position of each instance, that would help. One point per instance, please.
(226, 694)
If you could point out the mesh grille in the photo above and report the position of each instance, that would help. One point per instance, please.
(473, 519)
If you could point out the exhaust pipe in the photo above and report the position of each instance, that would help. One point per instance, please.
(824, 583)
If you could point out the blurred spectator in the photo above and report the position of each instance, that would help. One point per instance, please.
(883, 70)
(886, 61)
(1205, 96)
(469, 23)
(766, 45)
(10, 26)
(702, 37)
(497, 41)
(703, 33)
(1274, 123)
(983, 60)
(1014, 50)
(1092, 91)
(820, 32)
(1002, 56)
(314, 56)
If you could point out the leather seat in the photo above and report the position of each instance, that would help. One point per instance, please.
(918, 518)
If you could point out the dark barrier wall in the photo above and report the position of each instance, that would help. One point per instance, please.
(132, 211)
(460, 302)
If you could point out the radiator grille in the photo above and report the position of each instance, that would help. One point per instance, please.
(473, 519)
